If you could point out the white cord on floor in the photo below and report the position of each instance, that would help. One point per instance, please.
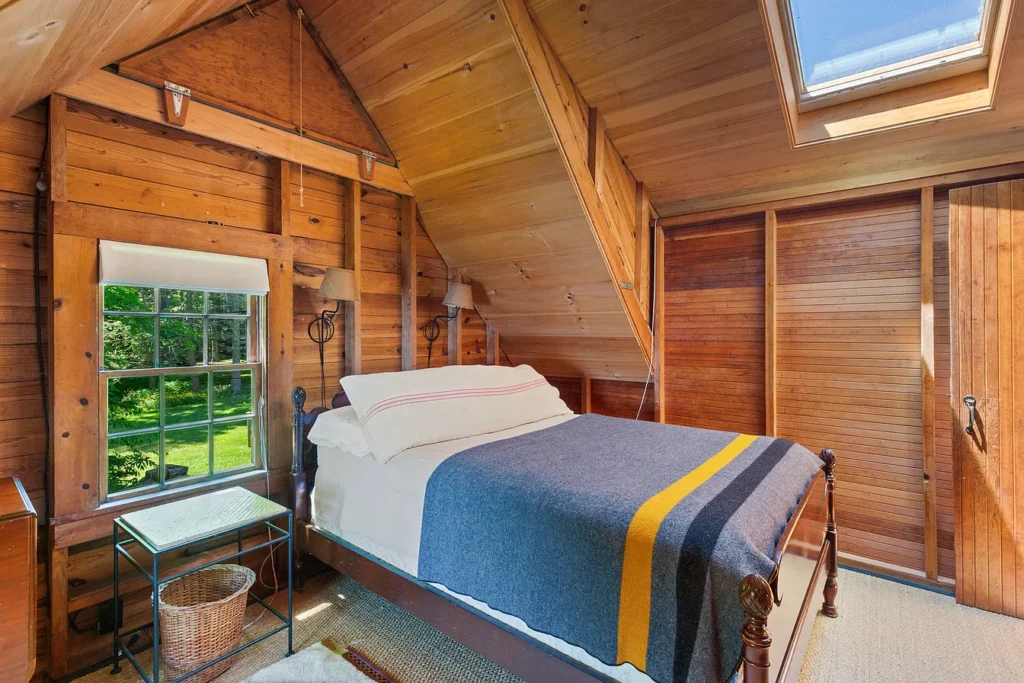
(650, 363)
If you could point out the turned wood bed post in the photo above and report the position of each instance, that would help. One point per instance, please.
(300, 490)
(757, 599)
(828, 608)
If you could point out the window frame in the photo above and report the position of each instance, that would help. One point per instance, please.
(935, 66)
(256, 343)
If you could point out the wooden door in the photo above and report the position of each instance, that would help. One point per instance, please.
(986, 242)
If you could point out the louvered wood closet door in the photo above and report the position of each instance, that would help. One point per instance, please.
(986, 243)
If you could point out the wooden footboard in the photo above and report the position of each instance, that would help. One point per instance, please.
(777, 609)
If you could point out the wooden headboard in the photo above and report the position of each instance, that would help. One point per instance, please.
(304, 456)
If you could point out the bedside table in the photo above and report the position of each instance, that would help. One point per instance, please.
(176, 526)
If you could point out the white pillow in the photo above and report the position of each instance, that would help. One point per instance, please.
(340, 428)
(400, 410)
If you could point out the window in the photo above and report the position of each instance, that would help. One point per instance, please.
(847, 50)
(182, 374)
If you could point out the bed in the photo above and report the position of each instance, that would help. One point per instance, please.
(391, 528)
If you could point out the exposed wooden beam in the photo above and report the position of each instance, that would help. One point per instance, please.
(455, 324)
(989, 173)
(282, 198)
(659, 324)
(409, 293)
(493, 346)
(770, 253)
(57, 154)
(354, 262)
(931, 543)
(58, 604)
(585, 394)
(567, 114)
(85, 220)
(182, 40)
(595, 144)
(108, 90)
(642, 255)
(281, 361)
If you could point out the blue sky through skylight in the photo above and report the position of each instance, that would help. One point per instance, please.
(839, 38)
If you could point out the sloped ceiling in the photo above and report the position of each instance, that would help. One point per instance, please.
(47, 44)
(689, 96)
(451, 96)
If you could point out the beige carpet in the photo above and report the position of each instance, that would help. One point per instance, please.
(886, 633)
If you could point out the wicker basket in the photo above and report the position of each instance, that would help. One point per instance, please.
(201, 618)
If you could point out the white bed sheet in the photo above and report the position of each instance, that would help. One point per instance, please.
(379, 509)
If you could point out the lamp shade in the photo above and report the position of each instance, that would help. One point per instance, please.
(459, 295)
(339, 284)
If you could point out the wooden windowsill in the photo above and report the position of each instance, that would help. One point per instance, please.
(125, 505)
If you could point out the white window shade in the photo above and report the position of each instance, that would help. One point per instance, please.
(145, 266)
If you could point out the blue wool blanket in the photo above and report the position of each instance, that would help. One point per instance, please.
(628, 539)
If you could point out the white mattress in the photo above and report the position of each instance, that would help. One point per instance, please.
(379, 509)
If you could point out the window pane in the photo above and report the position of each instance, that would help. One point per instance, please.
(181, 342)
(229, 303)
(186, 399)
(839, 38)
(181, 301)
(127, 342)
(132, 299)
(132, 403)
(232, 445)
(232, 393)
(189, 448)
(229, 340)
(129, 458)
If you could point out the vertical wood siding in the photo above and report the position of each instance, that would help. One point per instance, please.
(714, 326)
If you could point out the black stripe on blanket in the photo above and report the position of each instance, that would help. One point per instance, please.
(699, 545)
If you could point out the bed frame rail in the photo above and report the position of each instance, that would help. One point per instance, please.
(518, 654)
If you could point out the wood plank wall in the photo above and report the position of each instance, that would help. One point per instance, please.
(849, 375)
(846, 351)
(714, 326)
(21, 408)
(607, 397)
(139, 169)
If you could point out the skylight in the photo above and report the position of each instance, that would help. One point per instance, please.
(844, 44)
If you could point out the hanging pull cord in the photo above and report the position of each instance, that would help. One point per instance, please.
(302, 131)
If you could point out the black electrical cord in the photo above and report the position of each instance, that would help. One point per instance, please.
(41, 187)
(432, 330)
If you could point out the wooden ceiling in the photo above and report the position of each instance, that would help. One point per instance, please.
(450, 94)
(689, 96)
(46, 44)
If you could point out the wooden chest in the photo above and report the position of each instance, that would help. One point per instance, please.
(17, 582)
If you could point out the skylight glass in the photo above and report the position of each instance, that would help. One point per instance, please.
(838, 39)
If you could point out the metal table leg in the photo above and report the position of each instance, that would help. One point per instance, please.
(117, 599)
(156, 618)
(291, 532)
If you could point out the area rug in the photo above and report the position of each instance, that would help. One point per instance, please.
(323, 661)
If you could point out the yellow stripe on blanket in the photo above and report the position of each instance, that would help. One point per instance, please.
(635, 595)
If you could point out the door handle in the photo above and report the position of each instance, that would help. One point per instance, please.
(971, 403)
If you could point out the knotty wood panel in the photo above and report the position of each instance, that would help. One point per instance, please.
(21, 409)
(689, 96)
(848, 364)
(47, 45)
(222, 68)
(986, 239)
(714, 326)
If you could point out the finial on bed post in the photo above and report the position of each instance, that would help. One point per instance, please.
(757, 600)
(298, 401)
(828, 607)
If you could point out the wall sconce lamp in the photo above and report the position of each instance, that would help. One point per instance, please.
(459, 296)
(338, 284)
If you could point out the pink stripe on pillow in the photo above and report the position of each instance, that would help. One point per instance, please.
(408, 399)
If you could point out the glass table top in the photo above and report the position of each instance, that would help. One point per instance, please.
(192, 519)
